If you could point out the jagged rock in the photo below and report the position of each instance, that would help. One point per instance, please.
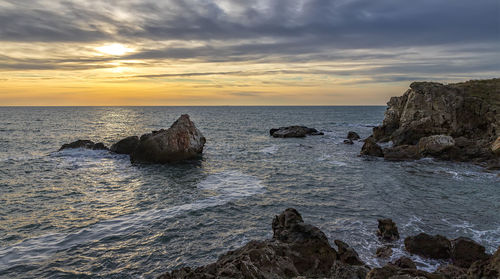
(486, 269)
(296, 249)
(469, 110)
(433, 145)
(371, 148)
(87, 144)
(384, 252)
(346, 254)
(402, 152)
(387, 230)
(353, 135)
(348, 141)
(294, 132)
(126, 145)
(495, 146)
(436, 247)
(180, 142)
(464, 251)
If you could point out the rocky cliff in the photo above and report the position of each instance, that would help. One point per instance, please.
(458, 121)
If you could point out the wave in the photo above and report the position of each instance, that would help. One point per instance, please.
(226, 186)
(270, 150)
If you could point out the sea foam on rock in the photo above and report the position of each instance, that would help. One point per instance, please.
(458, 122)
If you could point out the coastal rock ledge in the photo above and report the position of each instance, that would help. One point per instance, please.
(459, 122)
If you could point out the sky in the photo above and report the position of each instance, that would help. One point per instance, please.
(240, 52)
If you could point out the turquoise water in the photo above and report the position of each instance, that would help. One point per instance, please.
(92, 214)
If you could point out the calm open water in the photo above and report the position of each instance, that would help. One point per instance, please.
(92, 214)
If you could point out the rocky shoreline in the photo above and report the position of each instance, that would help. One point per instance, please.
(457, 122)
(301, 250)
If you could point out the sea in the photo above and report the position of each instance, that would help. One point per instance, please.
(93, 214)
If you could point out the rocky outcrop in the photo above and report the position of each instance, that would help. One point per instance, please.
(180, 142)
(293, 132)
(371, 148)
(126, 145)
(435, 117)
(435, 247)
(387, 230)
(296, 249)
(86, 144)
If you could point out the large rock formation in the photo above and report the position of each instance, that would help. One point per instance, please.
(86, 144)
(465, 115)
(180, 142)
(296, 249)
(293, 132)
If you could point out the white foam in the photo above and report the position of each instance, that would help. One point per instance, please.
(227, 185)
(270, 150)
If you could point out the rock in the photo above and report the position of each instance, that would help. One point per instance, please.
(346, 254)
(296, 249)
(387, 230)
(294, 132)
(486, 269)
(451, 272)
(463, 110)
(126, 145)
(353, 135)
(495, 146)
(405, 262)
(436, 247)
(434, 145)
(343, 271)
(87, 144)
(371, 148)
(384, 252)
(391, 271)
(348, 141)
(401, 153)
(180, 142)
(464, 251)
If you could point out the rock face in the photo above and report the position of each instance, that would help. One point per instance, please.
(495, 146)
(87, 144)
(371, 148)
(180, 142)
(293, 132)
(387, 230)
(468, 110)
(296, 249)
(435, 247)
(126, 145)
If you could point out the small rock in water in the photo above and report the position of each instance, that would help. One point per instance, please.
(405, 262)
(348, 141)
(87, 144)
(387, 230)
(294, 132)
(353, 135)
(384, 252)
(371, 148)
(435, 247)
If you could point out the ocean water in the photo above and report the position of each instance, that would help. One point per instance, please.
(93, 214)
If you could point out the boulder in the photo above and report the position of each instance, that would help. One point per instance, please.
(405, 262)
(126, 145)
(433, 145)
(387, 230)
(353, 135)
(180, 142)
(384, 252)
(371, 148)
(486, 269)
(464, 251)
(435, 247)
(294, 132)
(87, 144)
(495, 146)
(401, 153)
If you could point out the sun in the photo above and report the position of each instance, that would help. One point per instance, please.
(114, 49)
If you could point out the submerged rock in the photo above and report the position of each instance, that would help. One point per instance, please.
(435, 247)
(387, 230)
(371, 148)
(126, 145)
(87, 144)
(180, 142)
(293, 132)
